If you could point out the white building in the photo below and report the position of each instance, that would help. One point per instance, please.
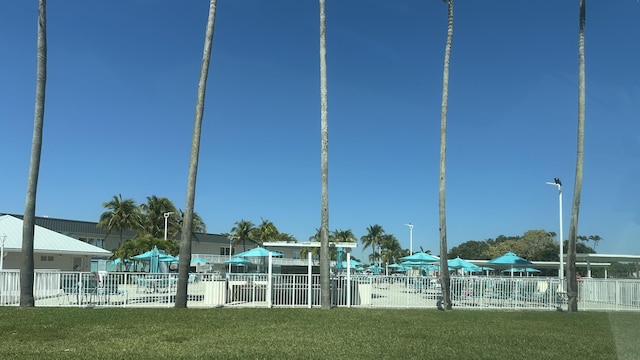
(52, 250)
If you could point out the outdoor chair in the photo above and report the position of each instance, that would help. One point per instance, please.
(69, 289)
(109, 288)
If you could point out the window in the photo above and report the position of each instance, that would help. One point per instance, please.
(46, 258)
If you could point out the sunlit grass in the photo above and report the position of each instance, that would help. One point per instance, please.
(65, 333)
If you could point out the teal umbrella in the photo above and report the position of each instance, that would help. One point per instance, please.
(237, 261)
(509, 259)
(458, 263)
(258, 252)
(421, 257)
(375, 268)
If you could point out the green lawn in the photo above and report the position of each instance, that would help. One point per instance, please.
(84, 333)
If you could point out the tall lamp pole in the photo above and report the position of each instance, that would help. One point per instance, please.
(166, 218)
(3, 237)
(410, 225)
(230, 242)
(556, 182)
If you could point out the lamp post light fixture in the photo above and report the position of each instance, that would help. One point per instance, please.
(410, 225)
(166, 218)
(556, 182)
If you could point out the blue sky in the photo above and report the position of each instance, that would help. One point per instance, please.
(121, 90)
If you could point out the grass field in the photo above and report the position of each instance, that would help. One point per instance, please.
(85, 333)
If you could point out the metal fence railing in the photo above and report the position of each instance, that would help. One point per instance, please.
(58, 288)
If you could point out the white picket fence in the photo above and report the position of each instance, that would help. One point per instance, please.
(56, 288)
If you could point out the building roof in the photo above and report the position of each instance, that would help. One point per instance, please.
(45, 240)
(608, 257)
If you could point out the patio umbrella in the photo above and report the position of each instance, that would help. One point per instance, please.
(199, 261)
(354, 264)
(458, 263)
(237, 261)
(375, 268)
(509, 259)
(258, 252)
(339, 262)
(420, 257)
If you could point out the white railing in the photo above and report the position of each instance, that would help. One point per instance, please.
(56, 288)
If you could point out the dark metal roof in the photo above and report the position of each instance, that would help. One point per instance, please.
(77, 227)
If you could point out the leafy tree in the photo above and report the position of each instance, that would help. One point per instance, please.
(470, 250)
(144, 243)
(445, 281)
(122, 214)
(241, 232)
(325, 287)
(187, 230)
(28, 220)
(572, 289)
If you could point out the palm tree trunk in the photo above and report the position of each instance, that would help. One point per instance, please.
(572, 288)
(444, 267)
(324, 134)
(187, 223)
(28, 221)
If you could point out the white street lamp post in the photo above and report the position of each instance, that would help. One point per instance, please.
(2, 239)
(556, 182)
(410, 225)
(166, 218)
(230, 241)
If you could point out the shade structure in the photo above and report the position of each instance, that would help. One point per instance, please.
(375, 268)
(237, 261)
(397, 267)
(258, 252)
(421, 257)
(509, 259)
(154, 257)
(459, 263)
(343, 264)
(522, 270)
(199, 261)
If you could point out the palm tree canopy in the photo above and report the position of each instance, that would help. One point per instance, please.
(121, 215)
(241, 232)
(373, 237)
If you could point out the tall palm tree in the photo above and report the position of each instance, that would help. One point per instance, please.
(28, 221)
(121, 215)
(241, 232)
(185, 243)
(344, 236)
(390, 249)
(286, 237)
(324, 135)
(445, 280)
(175, 225)
(315, 252)
(375, 234)
(572, 288)
(154, 211)
(341, 236)
(266, 231)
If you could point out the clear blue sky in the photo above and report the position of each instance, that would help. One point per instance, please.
(121, 91)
